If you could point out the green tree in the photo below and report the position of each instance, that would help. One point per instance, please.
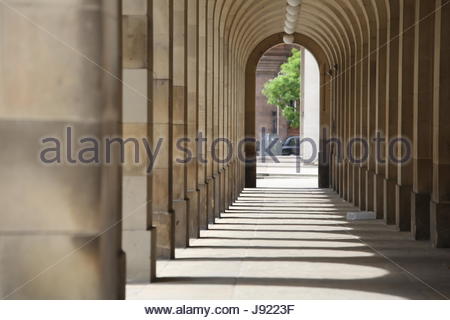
(284, 90)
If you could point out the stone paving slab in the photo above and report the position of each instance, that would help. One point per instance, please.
(306, 252)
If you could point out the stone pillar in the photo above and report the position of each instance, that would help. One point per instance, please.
(242, 123)
(349, 127)
(202, 113)
(342, 116)
(371, 115)
(340, 126)
(405, 116)
(159, 107)
(61, 223)
(227, 123)
(192, 192)
(250, 148)
(347, 106)
(216, 109)
(137, 235)
(440, 204)
(365, 91)
(423, 120)
(334, 133)
(177, 124)
(391, 110)
(210, 108)
(324, 149)
(223, 120)
(380, 114)
(356, 128)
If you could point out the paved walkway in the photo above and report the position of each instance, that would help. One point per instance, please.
(276, 243)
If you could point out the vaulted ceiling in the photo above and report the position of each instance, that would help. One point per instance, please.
(344, 29)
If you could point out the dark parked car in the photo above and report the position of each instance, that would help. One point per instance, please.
(291, 146)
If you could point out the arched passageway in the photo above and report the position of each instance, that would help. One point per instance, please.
(288, 132)
(178, 75)
(250, 103)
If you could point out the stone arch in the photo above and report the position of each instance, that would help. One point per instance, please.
(250, 74)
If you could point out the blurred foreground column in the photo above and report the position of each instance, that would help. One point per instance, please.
(59, 224)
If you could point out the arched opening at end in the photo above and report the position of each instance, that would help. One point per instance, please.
(265, 120)
(287, 118)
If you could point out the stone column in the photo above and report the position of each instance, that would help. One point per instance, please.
(348, 127)
(340, 125)
(423, 120)
(226, 124)
(405, 116)
(380, 115)
(60, 233)
(365, 91)
(344, 136)
(210, 108)
(159, 107)
(202, 113)
(242, 122)
(222, 116)
(324, 149)
(334, 133)
(371, 115)
(249, 127)
(178, 126)
(356, 127)
(191, 116)
(216, 109)
(440, 203)
(342, 115)
(391, 110)
(137, 235)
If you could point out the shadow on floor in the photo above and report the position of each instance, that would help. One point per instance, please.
(242, 257)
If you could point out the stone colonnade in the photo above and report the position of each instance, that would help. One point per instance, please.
(390, 81)
(195, 99)
(187, 68)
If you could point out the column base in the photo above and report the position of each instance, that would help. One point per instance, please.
(349, 173)
(216, 196)
(138, 247)
(193, 216)
(344, 184)
(342, 180)
(324, 173)
(355, 186)
(202, 206)
(250, 175)
(210, 200)
(222, 179)
(181, 223)
(403, 207)
(231, 186)
(370, 190)
(420, 215)
(440, 224)
(164, 224)
(378, 185)
(362, 187)
(389, 201)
